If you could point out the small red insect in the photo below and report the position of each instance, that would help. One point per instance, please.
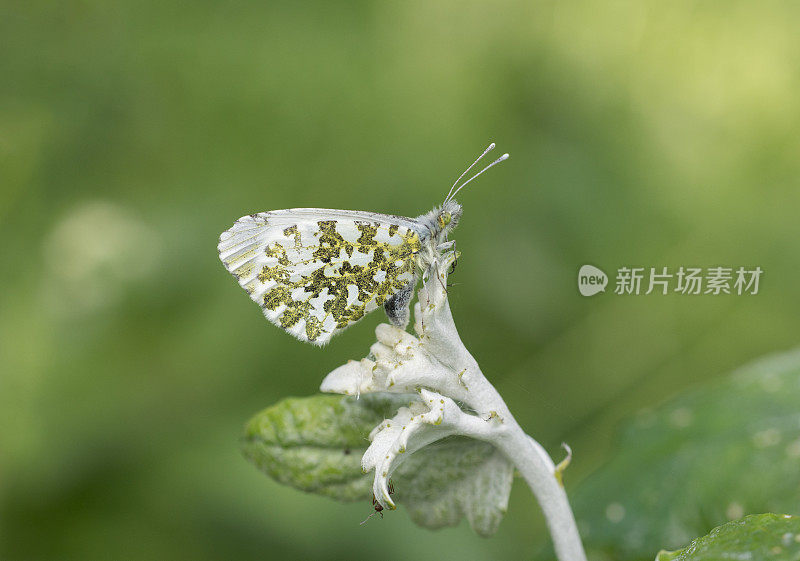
(378, 506)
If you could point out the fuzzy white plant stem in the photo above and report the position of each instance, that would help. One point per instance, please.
(453, 398)
(440, 338)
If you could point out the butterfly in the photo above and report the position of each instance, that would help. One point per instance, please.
(316, 271)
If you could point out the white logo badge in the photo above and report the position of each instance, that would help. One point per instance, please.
(591, 280)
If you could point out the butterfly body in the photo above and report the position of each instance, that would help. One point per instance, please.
(314, 272)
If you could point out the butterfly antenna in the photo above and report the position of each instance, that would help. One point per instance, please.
(368, 517)
(466, 171)
(502, 158)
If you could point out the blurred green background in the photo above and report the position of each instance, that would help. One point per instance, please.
(133, 133)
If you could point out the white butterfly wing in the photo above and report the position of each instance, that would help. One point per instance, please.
(315, 272)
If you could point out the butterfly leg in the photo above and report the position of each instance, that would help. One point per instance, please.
(455, 260)
(449, 246)
(397, 306)
(446, 246)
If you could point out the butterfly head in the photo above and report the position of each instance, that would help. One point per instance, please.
(448, 216)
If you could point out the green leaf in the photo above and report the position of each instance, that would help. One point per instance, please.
(315, 444)
(759, 537)
(697, 461)
(454, 478)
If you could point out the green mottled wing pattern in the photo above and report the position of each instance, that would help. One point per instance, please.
(315, 272)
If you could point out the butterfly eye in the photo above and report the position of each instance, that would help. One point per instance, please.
(444, 219)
